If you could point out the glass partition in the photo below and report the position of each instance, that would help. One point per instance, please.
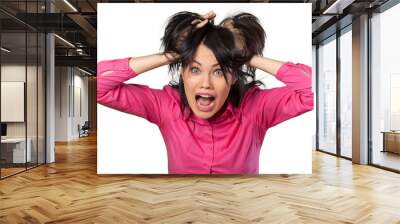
(31, 100)
(346, 93)
(41, 87)
(13, 95)
(327, 96)
(22, 88)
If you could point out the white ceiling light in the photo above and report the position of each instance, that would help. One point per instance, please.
(70, 5)
(338, 6)
(64, 40)
(86, 72)
(5, 49)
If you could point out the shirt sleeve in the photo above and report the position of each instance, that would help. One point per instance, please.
(276, 105)
(136, 99)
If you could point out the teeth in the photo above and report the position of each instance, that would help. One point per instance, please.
(205, 96)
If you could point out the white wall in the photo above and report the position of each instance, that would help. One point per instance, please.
(16, 73)
(79, 117)
(13, 93)
(70, 83)
(33, 126)
(61, 103)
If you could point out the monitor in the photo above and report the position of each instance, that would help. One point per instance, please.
(3, 129)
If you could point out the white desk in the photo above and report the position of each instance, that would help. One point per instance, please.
(18, 149)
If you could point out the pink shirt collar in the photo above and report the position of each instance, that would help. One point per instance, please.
(222, 115)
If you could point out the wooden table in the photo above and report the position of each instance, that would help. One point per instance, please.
(391, 141)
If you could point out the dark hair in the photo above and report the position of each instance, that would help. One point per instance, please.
(183, 38)
(251, 32)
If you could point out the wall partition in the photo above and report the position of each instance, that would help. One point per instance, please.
(22, 87)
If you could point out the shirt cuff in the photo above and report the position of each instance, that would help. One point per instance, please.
(116, 65)
(123, 65)
(284, 69)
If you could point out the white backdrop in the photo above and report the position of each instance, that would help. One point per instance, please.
(128, 144)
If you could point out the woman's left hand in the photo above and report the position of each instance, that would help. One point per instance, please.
(268, 65)
(206, 18)
(199, 23)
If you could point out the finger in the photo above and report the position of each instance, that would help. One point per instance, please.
(195, 21)
(202, 23)
(209, 15)
(205, 16)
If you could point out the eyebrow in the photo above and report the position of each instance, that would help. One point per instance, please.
(201, 64)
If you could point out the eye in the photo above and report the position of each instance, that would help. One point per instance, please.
(194, 70)
(218, 72)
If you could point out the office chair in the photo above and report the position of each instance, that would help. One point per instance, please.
(84, 130)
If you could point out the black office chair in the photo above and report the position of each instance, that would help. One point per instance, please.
(84, 130)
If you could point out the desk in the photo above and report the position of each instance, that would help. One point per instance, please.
(16, 147)
(391, 141)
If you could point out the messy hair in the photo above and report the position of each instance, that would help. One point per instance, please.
(182, 37)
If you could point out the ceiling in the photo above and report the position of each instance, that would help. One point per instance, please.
(76, 22)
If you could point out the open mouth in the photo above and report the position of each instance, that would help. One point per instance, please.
(205, 103)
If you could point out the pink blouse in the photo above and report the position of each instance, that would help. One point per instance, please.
(231, 142)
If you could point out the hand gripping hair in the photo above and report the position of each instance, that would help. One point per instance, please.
(234, 42)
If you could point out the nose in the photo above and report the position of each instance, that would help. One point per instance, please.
(206, 82)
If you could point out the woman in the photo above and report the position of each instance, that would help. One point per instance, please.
(214, 117)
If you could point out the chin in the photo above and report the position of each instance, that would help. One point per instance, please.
(204, 115)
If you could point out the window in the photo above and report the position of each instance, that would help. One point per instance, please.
(385, 89)
(346, 92)
(327, 96)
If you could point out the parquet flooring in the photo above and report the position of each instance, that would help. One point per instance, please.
(10, 171)
(70, 191)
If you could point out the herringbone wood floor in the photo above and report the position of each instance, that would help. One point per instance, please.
(70, 191)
